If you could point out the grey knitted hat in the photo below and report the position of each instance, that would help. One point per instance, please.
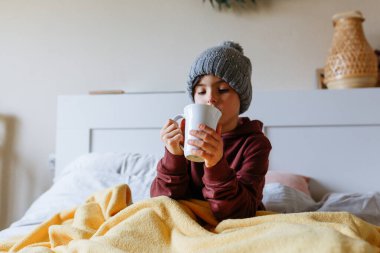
(227, 62)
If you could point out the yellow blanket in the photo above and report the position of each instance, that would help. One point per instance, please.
(106, 224)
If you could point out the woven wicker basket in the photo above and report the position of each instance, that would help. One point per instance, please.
(351, 62)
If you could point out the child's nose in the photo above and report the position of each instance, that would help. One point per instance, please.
(212, 100)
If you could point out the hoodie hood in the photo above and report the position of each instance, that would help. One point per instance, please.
(245, 126)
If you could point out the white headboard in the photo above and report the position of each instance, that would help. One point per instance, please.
(332, 136)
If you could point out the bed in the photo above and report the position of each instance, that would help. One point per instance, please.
(324, 161)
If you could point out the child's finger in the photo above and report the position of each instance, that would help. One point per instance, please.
(219, 129)
(198, 152)
(207, 137)
(168, 123)
(169, 128)
(209, 130)
(172, 133)
(208, 147)
(175, 140)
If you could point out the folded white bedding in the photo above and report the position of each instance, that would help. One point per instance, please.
(284, 199)
(363, 205)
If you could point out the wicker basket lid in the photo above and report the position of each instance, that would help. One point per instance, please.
(348, 14)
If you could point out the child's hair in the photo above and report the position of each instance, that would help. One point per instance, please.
(227, 62)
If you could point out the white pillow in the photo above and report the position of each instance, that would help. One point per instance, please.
(88, 163)
(88, 174)
(138, 171)
(78, 180)
(284, 199)
(363, 205)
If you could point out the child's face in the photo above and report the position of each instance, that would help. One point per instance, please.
(214, 91)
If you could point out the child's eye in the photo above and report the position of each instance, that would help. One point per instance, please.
(223, 90)
(201, 92)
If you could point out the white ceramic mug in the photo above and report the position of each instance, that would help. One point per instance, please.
(196, 114)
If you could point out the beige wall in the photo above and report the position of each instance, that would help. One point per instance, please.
(51, 47)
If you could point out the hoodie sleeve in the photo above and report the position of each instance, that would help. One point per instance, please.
(172, 178)
(238, 194)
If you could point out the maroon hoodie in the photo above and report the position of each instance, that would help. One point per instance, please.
(234, 186)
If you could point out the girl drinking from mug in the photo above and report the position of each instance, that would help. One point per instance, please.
(235, 155)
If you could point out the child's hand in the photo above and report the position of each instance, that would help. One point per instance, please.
(210, 144)
(172, 136)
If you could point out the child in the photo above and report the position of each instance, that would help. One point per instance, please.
(236, 155)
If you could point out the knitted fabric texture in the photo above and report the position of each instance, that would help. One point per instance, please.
(227, 62)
